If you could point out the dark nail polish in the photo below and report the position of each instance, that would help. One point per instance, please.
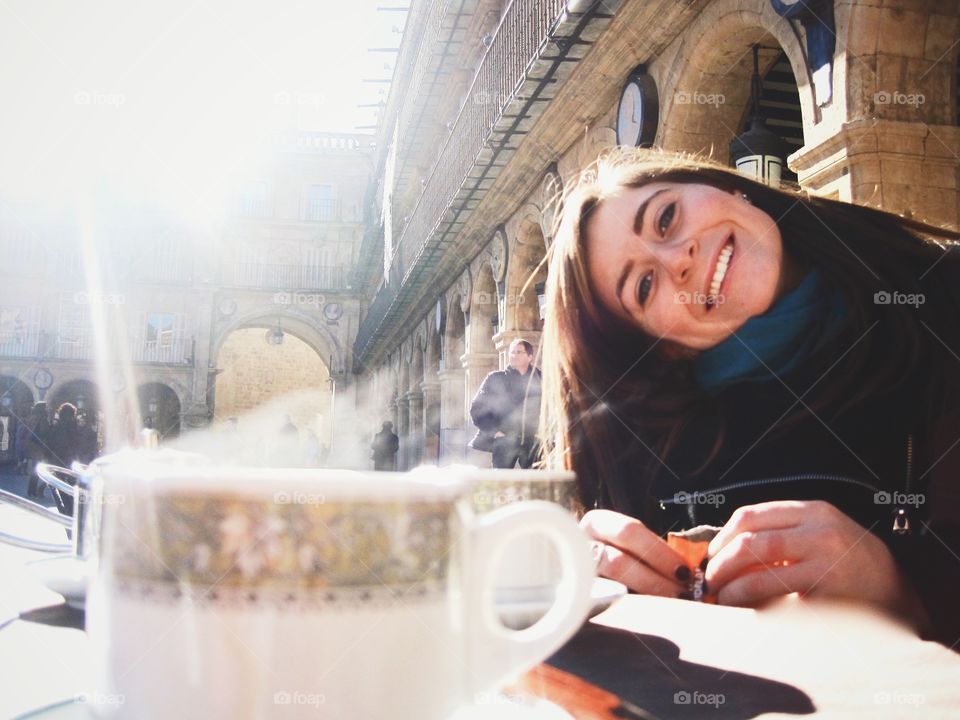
(705, 588)
(682, 573)
(703, 563)
(685, 595)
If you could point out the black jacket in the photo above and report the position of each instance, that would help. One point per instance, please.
(877, 462)
(385, 446)
(507, 402)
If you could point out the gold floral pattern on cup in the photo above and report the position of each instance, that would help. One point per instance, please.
(491, 494)
(236, 542)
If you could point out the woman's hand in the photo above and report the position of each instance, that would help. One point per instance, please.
(776, 548)
(630, 553)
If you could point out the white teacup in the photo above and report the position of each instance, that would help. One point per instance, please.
(531, 567)
(253, 593)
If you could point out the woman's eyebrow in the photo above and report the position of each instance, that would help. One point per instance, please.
(642, 210)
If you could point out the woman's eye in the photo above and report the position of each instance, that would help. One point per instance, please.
(643, 289)
(666, 217)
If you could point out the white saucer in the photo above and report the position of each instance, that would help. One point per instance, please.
(521, 612)
(63, 574)
(498, 707)
(72, 709)
(68, 576)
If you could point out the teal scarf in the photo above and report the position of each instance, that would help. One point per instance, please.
(776, 342)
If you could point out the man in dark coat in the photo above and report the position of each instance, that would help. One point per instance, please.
(385, 446)
(506, 410)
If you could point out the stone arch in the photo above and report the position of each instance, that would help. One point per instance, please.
(270, 381)
(434, 343)
(454, 332)
(417, 348)
(16, 397)
(403, 369)
(160, 407)
(525, 270)
(291, 320)
(483, 309)
(76, 390)
(705, 93)
(551, 194)
(16, 400)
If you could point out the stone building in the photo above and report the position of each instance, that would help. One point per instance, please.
(495, 105)
(249, 309)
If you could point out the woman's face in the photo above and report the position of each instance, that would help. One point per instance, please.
(686, 263)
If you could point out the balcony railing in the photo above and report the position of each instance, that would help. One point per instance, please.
(73, 348)
(252, 207)
(286, 277)
(320, 210)
(535, 48)
(22, 256)
(18, 345)
(174, 350)
(178, 350)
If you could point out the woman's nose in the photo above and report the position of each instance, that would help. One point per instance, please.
(680, 259)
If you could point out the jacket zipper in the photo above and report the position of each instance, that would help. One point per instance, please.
(901, 520)
(826, 477)
(769, 481)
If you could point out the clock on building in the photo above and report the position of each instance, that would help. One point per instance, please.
(332, 311)
(42, 379)
(638, 111)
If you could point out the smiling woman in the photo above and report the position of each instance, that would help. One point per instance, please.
(720, 352)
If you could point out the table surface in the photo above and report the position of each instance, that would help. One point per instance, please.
(645, 657)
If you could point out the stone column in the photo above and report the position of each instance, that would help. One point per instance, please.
(431, 404)
(888, 164)
(476, 367)
(402, 425)
(415, 433)
(453, 440)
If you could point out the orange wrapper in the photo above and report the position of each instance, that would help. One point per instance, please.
(692, 546)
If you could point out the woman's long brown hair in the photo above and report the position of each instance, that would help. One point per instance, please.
(616, 400)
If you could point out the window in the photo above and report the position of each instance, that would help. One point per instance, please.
(160, 329)
(163, 338)
(253, 200)
(320, 204)
(74, 334)
(19, 331)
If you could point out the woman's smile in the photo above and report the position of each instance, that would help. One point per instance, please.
(683, 262)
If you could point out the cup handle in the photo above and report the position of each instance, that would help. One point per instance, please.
(495, 651)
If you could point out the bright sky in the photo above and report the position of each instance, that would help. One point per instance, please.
(171, 93)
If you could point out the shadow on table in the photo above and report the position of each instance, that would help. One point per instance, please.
(645, 671)
(56, 615)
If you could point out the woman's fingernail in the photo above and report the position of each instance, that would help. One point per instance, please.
(704, 562)
(705, 588)
(682, 573)
(685, 595)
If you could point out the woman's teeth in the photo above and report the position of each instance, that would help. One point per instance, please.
(723, 262)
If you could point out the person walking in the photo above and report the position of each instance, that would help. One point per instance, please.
(506, 410)
(385, 446)
(37, 447)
